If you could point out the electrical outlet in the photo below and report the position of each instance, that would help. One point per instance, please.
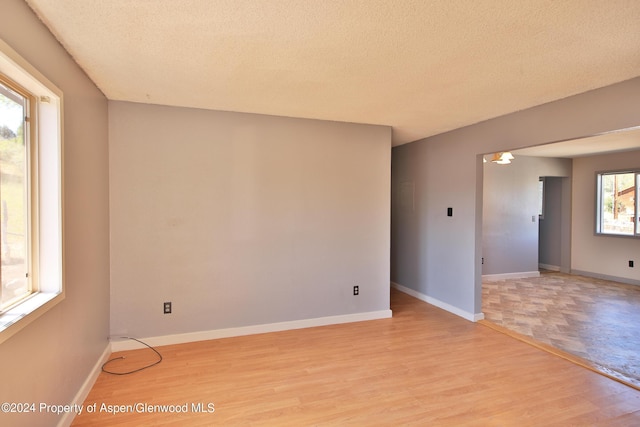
(356, 290)
(630, 263)
(167, 308)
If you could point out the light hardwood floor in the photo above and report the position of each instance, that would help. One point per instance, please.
(422, 367)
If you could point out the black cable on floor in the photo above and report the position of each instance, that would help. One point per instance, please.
(122, 357)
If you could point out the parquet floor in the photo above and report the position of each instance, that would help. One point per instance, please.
(421, 367)
(593, 319)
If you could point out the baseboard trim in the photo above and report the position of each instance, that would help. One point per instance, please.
(86, 387)
(504, 276)
(549, 267)
(250, 330)
(606, 277)
(473, 317)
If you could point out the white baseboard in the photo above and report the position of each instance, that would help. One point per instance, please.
(504, 276)
(86, 387)
(249, 330)
(473, 317)
(549, 267)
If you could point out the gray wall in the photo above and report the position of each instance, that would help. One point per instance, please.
(551, 225)
(440, 256)
(603, 255)
(510, 201)
(242, 219)
(49, 359)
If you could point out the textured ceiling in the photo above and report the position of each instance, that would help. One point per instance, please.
(423, 67)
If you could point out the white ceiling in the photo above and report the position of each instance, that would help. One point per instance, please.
(623, 140)
(421, 66)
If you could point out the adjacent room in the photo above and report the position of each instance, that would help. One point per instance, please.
(531, 282)
(275, 212)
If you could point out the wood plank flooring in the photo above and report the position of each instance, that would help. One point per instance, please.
(422, 367)
(597, 320)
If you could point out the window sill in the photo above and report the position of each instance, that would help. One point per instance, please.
(627, 236)
(26, 312)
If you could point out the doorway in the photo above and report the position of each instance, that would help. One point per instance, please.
(554, 227)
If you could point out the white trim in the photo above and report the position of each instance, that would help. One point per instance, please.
(504, 276)
(86, 387)
(249, 330)
(549, 267)
(473, 317)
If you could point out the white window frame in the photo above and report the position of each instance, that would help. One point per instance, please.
(46, 205)
(599, 213)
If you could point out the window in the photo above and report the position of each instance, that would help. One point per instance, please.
(31, 249)
(618, 206)
(15, 194)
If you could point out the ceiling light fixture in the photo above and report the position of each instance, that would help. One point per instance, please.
(503, 158)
